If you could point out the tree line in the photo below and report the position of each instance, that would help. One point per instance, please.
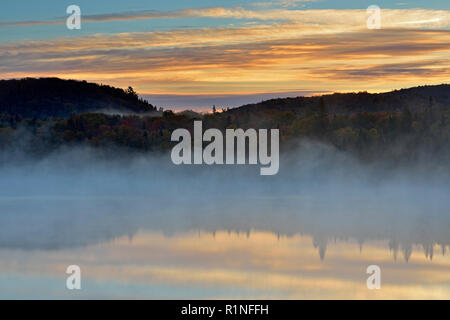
(368, 135)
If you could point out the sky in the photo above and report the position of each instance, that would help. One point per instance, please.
(196, 54)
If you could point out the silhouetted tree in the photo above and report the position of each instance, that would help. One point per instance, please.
(130, 91)
(406, 121)
(322, 116)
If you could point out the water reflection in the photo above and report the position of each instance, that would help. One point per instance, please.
(142, 228)
(292, 247)
(221, 265)
(67, 222)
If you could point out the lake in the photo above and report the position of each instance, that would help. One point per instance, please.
(146, 229)
(300, 249)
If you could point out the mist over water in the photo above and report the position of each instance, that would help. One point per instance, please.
(78, 196)
(142, 227)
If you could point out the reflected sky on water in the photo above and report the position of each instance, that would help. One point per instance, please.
(141, 228)
(301, 249)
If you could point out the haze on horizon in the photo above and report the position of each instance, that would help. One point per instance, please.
(228, 53)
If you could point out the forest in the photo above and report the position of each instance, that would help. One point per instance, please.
(417, 127)
(47, 97)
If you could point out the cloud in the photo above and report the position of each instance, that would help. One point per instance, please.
(390, 17)
(282, 3)
(123, 16)
(202, 101)
(325, 50)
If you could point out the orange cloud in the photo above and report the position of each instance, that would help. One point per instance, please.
(319, 50)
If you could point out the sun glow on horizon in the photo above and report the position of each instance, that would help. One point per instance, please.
(261, 50)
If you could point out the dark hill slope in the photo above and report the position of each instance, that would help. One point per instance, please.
(415, 99)
(53, 97)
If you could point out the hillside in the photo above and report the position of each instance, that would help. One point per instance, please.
(53, 97)
(404, 125)
(415, 99)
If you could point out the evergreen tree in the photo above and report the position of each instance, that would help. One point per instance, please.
(406, 121)
(322, 116)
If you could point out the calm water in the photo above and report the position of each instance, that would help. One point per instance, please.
(235, 247)
(143, 228)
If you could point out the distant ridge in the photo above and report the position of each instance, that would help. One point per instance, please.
(415, 99)
(54, 97)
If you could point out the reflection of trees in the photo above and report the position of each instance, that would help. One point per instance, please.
(44, 224)
(407, 250)
(322, 245)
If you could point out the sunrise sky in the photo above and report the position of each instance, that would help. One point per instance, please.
(193, 54)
